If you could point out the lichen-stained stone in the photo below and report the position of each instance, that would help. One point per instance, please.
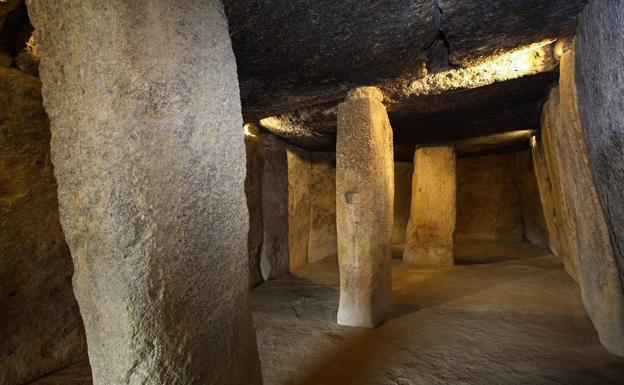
(149, 155)
(590, 243)
(364, 208)
(600, 84)
(40, 325)
(429, 239)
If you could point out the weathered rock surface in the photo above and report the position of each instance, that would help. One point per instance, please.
(503, 25)
(274, 256)
(299, 200)
(149, 156)
(322, 241)
(347, 44)
(364, 208)
(488, 202)
(253, 193)
(286, 206)
(40, 325)
(584, 234)
(351, 43)
(495, 144)
(429, 239)
(599, 58)
(547, 147)
(533, 221)
(403, 173)
(453, 115)
(547, 195)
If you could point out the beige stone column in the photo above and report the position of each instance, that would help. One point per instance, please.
(429, 240)
(274, 256)
(285, 208)
(149, 154)
(364, 208)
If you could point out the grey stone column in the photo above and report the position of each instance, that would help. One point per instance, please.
(364, 208)
(429, 240)
(149, 154)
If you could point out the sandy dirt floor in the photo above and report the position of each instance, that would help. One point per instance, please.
(506, 315)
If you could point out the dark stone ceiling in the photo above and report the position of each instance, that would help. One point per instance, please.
(298, 58)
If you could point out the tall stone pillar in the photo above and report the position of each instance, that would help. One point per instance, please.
(429, 240)
(285, 208)
(149, 155)
(274, 255)
(364, 208)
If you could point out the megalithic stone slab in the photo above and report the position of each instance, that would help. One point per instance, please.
(148, 150)
(364, 208)
(429, 240)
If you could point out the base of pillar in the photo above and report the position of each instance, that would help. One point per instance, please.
(429, 257)
(356, 317)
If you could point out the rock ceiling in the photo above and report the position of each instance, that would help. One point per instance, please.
(450, 69)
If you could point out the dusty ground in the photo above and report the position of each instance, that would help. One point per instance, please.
(518, 321)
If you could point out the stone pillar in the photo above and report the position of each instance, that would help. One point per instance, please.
(253, 191)
(429, 240)
(600, 83)
(285, 208)
(274, 258)
(299, 173)
(364, 208)
(148, 150)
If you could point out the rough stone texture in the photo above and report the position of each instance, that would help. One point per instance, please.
(352, 43)
(40, 325)
(590, 243)
(299, 175)
(364, 209)
(546, 193)
(435, 116)
(599, 58)
(347, 44)
(503, 24)
(274, 257)
(149, 155)
(533, 221)
(322, 242)
(488, 202)
(253, 192)
(429, 239)
(547, 146)
(286, 208)
(495, 144)
(403, 172)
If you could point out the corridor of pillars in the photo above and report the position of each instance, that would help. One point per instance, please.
(311, 193)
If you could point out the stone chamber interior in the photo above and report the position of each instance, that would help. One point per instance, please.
(311, 192)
